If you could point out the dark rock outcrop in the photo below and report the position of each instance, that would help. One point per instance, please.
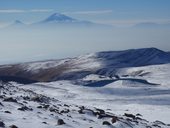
(2, 125)
(106, 123)
(13, 126)
(10, 99)
(60, 122)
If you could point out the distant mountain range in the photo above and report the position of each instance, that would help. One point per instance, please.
(57, 20)
(101, 63)
(61, 20)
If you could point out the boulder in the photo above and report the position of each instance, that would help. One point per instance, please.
(106, 123)
(60, 122)
(2, 125)
(13, 126)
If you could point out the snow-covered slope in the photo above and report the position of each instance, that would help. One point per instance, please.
(133, 92)
(25, 108)
(101, 63)
(154, 73)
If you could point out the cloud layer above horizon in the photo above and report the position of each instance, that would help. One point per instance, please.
(136, 24)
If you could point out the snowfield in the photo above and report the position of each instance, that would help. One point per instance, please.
(62, 104)
(29, 106)
(118, 97)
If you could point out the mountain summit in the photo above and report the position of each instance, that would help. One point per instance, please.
(62, 20)
(57, 17)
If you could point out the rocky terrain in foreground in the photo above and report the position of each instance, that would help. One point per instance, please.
(23, 108)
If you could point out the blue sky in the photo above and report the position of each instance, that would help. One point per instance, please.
(103, 11)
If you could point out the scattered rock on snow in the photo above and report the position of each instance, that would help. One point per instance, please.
(2, 124)
(138, 114)
(56, 110)
(13, 126)
(1, 104)
(114, 119)
(65, 111)
(60, 122)
(130, 115)
(106, 123)
(40, 98)
(24, 108)
(44, 122)
(159, 122)
(39, 107)
(10, 99)
(7, 112)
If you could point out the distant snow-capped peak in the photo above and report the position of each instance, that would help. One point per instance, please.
(57, 17)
